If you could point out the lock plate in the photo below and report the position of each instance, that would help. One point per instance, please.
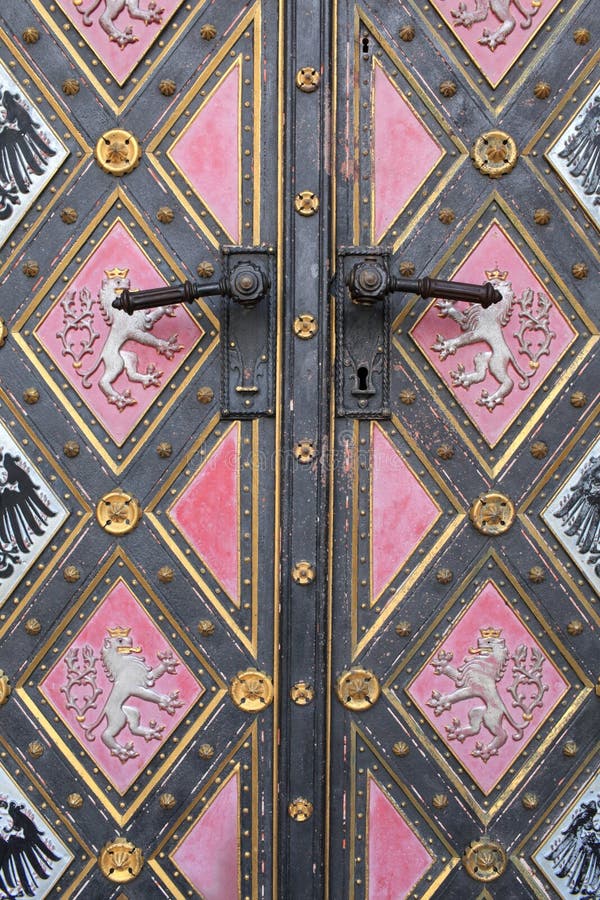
(363, 341)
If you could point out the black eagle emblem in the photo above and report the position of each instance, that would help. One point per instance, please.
(23, 514)
(24, 151)
(580, 512)
(576, 856)
(25, 858)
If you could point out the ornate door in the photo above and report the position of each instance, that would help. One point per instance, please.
(283, 614)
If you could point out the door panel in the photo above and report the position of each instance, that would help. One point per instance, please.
(137, 522)
(463, 607)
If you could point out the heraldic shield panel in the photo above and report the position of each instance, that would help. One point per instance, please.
(466, 534)
(136, 522)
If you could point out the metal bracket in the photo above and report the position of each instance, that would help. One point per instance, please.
(364, 286)
(248, 326)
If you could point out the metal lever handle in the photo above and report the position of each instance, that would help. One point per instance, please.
(246, 284)
(370, 281)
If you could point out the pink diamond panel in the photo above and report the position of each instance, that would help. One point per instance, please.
(208, 153)
(396, 858)
(208, 855)
(491, 371)
(123, 722)
(464, 689)
(496, 41)
(397, 175)
(208, 513)
(116, 363)
(402, 512)
(120, 39)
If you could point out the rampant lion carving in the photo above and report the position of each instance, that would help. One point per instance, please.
(113, 9)
(131, 677)
(478, 678)
(501, 9)
(478, 324)
(123, 328)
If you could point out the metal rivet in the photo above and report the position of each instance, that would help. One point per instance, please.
(305, 326)
(118, 152)
(494, 153)
(306, 203)
(307, 79)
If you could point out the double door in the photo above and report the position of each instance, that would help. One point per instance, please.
(299, 594)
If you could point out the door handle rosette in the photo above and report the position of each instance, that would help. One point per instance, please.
(248, 325)
(363, 315)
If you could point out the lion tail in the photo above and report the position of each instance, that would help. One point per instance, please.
(88, 730)
(85, 376)
(86, 13)
(527, 14)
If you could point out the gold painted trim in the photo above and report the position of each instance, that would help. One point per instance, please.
(487, 814)
(212, 324)
(70, 751)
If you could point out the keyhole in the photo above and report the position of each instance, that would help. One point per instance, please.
(362, 377)
(365, 44)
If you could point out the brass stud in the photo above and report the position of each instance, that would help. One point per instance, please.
(206, 627)
(407, 32)
(167, 801)
(69, 215)
(539, 449)
(403, 629)
(494, 154)
(305, 452)
(445, 451)
(35, 749)
(205, 269)
(542, 90)
(75, 800)
(251, 690)
(570, 749)
(492, 513)
(575, 627)
(71, 449)
(31, 35)
(164, 449)
(205, 395)
(5, 688)
(302, 693)
(3, 332)
(32, 626)
(165, 574)
(581, 36)
(118, 152)
(303, 572)
(167, 87)
(406, 268)
(541, 216)
(305, 326)
(578, 399)
(485, 860)
(444, 576)
(118, 512)
(401, 748)
(31, 395)
(120, 860)
(446, 215)
(537, 574)
(31, 268)
(71, 87)
(165, 215)
(208, 32)
(307, 79)
(206, 751)
(448, 88)
(407, 396)
(439, 801)
(530, 800)
(357, 689)
(579, 270)
(71, 574)
(300, 809)
(306, 203)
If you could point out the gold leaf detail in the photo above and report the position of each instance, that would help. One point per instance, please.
(407, 32)
(206, 751)
(406, 268)
(205, 395)
(71, 574)
(578, 399)
(205, 269)
(167, 801)
(75, 800)
(71, 87)
(33, 626)
(164, 449)
(581, 36)
(35, 749)
(541, 216)
(31, 35)
(31, 268)
(31, 395)
(206, 627)
(579, 270)
(537, 574)
(208, 32)
(444, 576)
(403, 629)
(539, 449)
(446, 215)
(542, 90)
(167, 87)
(401, 748)
(165, 574)
(165, 215)
(69, 215)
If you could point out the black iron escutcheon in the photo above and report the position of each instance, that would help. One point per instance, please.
(364, 286)
(247, 326)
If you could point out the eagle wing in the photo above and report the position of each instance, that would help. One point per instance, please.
(23, 152)
(23, 514)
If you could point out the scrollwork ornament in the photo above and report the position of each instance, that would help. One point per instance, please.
(485, 860)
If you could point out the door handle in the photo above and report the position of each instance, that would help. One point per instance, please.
(247, 324)
(363, 325)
